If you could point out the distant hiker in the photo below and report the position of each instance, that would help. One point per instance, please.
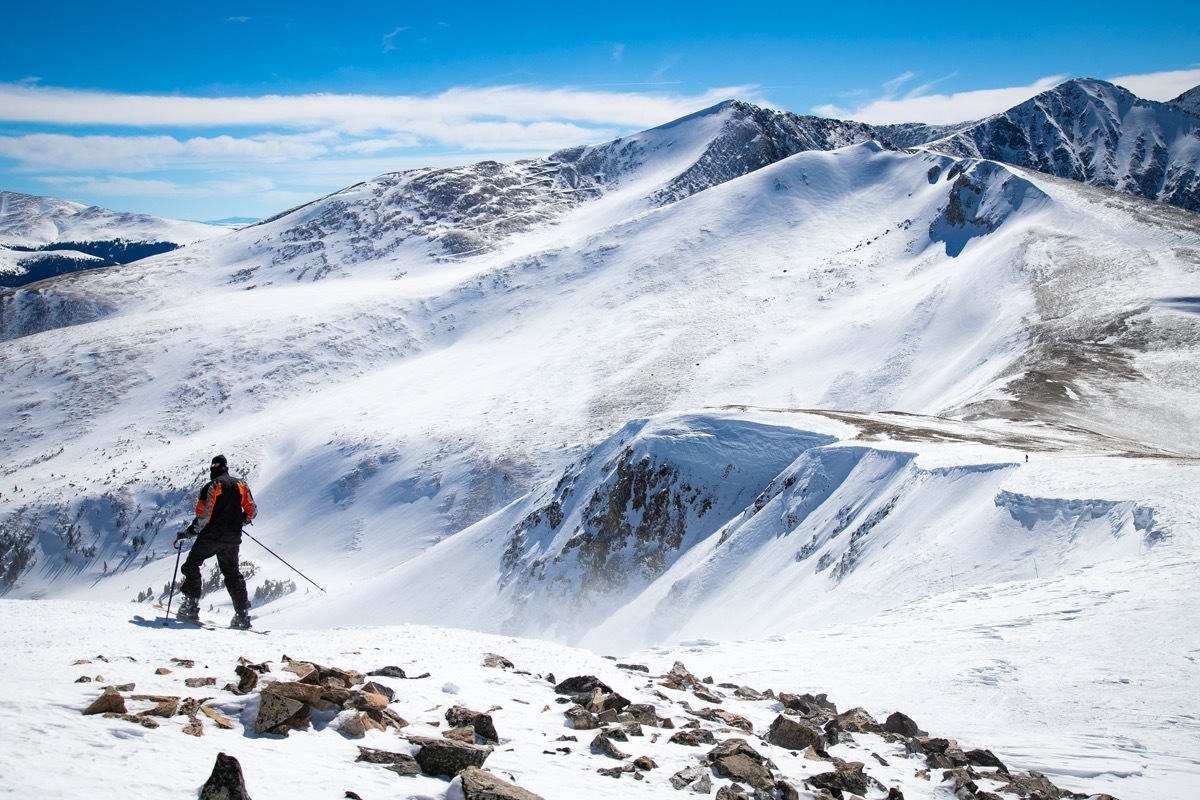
(224, 506)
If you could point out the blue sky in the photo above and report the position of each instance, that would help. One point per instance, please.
(205, 111)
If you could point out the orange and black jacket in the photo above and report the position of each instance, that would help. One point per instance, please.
(224, 506)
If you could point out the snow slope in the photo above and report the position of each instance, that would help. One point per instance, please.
(582, 424)
(987, 679)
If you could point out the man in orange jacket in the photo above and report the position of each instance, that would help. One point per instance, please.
(224, 506)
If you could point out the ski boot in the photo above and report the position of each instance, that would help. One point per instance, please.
(189, 610)
(241, 620)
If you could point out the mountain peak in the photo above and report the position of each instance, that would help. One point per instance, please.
(1095, 132)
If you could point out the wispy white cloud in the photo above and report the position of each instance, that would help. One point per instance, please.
(893, 86)
(1160, 86)
(354, 113)
(388, 39)
(920, 104)
(938, 109)
(56, 152)
(618, 52)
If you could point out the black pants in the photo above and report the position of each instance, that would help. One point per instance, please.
(227, 559)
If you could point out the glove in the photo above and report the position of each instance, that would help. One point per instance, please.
(186, 533)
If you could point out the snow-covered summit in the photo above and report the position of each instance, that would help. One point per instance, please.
(1097, 133)
(1189, 101)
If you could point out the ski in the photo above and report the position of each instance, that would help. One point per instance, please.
(208, 624)
(166, 623)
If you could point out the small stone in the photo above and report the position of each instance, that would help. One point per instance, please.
(479, 784)
(217, 717)
(379, 688)
(496, 662)
(387, 672)
(110, 701)
(358, 725)
(194, 727)
(604, 746)
(166, 707)
(162, 671)
(196, 683)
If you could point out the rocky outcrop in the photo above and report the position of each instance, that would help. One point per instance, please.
(1096, 133)
(446, 757)
(736, 759)
(226, 781)
(793, 734)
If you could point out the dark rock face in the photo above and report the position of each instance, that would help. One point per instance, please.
(736, 759)
(446, 757)
(582, 684)
(225, 782)
(902, 724)
(753, 138)
(1096, 133)
(604, 746)
(794, 735)
(848, 778)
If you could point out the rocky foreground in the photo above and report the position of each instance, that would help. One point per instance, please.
(714, 735)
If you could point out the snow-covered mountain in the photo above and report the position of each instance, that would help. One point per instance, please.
(1189, 101)
(1097, 133)
(646, 391)
(41, 237)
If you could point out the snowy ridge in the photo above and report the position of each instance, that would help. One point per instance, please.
(41, 237)
(1097, 133)
(1189, 101)
(661, 531)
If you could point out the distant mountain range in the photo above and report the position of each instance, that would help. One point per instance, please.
(436, 366)
(1099, 134)
(41, 237)
(1085, 130)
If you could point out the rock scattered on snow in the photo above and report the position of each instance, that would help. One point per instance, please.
(805, 725)
(226, 781)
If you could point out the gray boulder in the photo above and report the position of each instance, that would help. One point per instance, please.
(737, 760)
(447, 757)
(792, 734)
(903, 725)
(226, 781)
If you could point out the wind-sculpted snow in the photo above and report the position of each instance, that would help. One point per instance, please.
(731, 526)
(984, 195)
(617, 520)
(1096, 133)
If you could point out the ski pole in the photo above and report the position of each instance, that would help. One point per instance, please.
(293, 569)
(178, 553)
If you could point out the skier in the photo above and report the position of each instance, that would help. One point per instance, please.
(224, 506)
